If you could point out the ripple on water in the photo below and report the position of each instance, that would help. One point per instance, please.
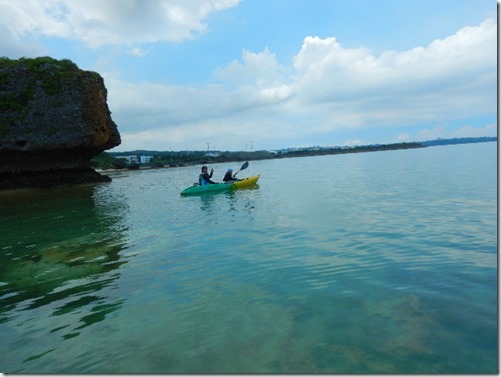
(352, 264)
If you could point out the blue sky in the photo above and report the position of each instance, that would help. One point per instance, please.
(274, 73)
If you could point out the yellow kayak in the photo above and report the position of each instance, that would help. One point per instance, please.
(245, 182)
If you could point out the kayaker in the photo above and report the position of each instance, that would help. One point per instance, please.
(228, 177)
(204, 178)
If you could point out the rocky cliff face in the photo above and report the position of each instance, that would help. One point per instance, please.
(53, 119)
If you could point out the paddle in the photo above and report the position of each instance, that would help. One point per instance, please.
(244, 166)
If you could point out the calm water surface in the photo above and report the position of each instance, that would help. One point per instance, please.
(379, 262)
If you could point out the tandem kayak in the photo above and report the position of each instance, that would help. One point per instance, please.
(197, 189)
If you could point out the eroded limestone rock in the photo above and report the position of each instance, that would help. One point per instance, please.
(53, 119)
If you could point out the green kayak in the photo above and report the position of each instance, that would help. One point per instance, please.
(218, 187)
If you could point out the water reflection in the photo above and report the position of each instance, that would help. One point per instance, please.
(59, 251)
(207, 201)
(229, 199)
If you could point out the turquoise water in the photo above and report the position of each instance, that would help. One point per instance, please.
(379, 262)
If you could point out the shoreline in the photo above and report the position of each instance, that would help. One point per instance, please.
(248, 156)
(236, 157)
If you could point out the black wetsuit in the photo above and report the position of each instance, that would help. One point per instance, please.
(205, 179)
(228, 177)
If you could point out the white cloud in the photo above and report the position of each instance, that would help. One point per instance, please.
(464, 131)
(111, 22)
(469, 131)
(328, 89)
(139, 52)
(451, 78)
(231, 133)
(12, 48)
(327, 71)
(258, 69)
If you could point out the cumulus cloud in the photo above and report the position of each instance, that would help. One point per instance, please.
(327, 71)
(327, 89)
(450, 78)
(112, 22)
(258, 69)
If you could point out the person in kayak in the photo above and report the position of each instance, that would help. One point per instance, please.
(205, 178)
(228, 177)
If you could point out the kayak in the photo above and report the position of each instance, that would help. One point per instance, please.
(218, 187)
(245, 182)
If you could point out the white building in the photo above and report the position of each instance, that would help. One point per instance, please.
(215, 154)
(145, 159)
(130, 159)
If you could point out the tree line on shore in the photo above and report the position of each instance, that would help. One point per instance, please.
(115, 160)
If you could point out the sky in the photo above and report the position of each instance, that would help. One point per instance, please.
(242, 75)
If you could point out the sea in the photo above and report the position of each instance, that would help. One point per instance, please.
(380, 262)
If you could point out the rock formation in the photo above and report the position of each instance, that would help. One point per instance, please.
(53, 119)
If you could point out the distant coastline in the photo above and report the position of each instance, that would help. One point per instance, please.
(463, 140)
(160, 159)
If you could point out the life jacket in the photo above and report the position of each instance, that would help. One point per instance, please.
(201, 180)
